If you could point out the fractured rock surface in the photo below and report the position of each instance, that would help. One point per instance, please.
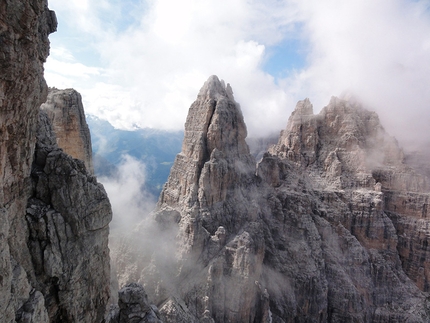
(66, 112)
(329, 226)
(24, 31)
(54, 259)
(68, 217)
(133, 306)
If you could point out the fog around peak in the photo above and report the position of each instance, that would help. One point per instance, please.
(145, 64)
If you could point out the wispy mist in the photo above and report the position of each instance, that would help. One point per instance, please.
(141, 251)
(378, 50)
(131, 203)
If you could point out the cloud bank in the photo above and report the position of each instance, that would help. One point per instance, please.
(143, 62)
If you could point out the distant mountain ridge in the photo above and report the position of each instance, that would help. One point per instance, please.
(155, 148)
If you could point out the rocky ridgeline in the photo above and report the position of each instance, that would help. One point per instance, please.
(330, 225)
(54, 256)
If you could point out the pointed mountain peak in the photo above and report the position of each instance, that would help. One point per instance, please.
(215, 88)
(304, 107)
(214, 131)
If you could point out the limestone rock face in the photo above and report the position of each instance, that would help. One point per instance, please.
(66, 112)
(357, 175)
(208, 194)
(352, 152)
(345, 142)
(330, 226)
(68, 217)
(134, 306)
(25, 26)
(54, 259)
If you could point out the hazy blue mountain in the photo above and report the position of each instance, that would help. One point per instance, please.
(155, 148)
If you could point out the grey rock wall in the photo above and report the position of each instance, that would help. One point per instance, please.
(68, 218)
(24, 31)
(330, 226)
(54, 216)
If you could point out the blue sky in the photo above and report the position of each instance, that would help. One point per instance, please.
(143, 62)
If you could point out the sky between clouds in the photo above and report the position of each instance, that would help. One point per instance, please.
(142, 63)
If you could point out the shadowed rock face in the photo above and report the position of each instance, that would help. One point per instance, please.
(323, 229)
(54, 259)
(25, 26)
(68, 219)
(133, 307)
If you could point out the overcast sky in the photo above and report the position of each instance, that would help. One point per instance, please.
(141, 63)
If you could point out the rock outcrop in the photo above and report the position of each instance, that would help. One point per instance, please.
(133, 307)
(329, 226)
(66, 112)
(355, 172)
(54, 259)
(68, 218)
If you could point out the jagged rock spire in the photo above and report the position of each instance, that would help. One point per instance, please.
(208, 194)
(214, 130)
(310, 235)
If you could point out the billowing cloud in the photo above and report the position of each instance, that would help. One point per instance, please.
(377, 50)
(131, 203)
(150, 58)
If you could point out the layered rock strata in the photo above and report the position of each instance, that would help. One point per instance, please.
(54, 261)
(66, 112)
(322, 230)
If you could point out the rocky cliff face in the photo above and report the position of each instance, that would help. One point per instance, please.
(357, 174)
(24, 36)
(54, 261)
(329, 226)
(67, 216)
(66, 112)
(212, 193)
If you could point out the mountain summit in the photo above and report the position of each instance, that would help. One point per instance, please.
(329, 226)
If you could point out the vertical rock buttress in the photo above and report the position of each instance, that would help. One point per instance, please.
(66, 112)
(208, 196)
(24, 30)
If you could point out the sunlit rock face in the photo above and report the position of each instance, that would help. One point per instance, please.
(54, 216)
(66, 112)
(329, 226)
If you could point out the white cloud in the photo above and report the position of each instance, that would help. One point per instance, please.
(377, 50)
(130, 202)
(154, 66)
(161, 62)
